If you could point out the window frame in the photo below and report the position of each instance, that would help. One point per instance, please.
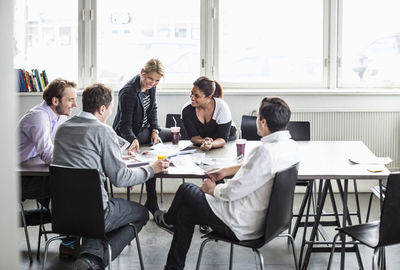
(209, 46)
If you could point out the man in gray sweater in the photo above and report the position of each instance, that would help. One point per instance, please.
(85, 141)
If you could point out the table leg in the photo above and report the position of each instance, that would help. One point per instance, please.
(347, 221)
(317, 219)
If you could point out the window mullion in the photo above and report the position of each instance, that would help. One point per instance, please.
(334, 47)
(81, 44)
(87, 45)
(208, 13)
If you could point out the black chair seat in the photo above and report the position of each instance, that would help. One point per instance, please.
(302, 183)
(256, 243)
(32, 217)
(367, 233)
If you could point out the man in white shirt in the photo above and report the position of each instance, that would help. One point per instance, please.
(236, 208)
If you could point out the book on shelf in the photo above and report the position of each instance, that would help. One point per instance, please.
(33, 81)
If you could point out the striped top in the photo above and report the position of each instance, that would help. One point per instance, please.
(146, 106)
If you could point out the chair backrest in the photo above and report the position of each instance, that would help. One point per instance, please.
(390, 217)
(249, 127)
(299, 130)
(170, 123)
(279, 214)
(76, 202)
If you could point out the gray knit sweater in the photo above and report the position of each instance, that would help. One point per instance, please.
(84, 142)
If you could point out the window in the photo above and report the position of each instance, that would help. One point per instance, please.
(271, 41)
(46, 38)
(370, 43)
(132, 32)
(244, 45)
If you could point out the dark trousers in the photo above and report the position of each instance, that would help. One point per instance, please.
(189, 208)
(36, 188)
(119, 214)
(144, 138)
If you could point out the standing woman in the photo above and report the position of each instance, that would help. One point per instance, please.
(136, 118)
(206, 117)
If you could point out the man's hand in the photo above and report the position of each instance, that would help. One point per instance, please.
(160, 165)
(134, 147)
(206, 144)
(208, 187)
(216, 174)
(154, 137)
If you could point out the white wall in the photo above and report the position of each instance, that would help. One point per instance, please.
(9, 251)
(246, 101)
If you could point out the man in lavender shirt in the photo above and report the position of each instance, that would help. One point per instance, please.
(38, 126)
(36, 130)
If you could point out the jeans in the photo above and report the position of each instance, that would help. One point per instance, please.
(144, 138)
(190, 207)
(145, 133)
(118, 215)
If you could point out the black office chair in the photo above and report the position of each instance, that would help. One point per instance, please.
(299, 131)
(37, 216)
(34, 217)
(382, 233)
(375, 191)
(248, 128)
(277, 220)
(77, 207)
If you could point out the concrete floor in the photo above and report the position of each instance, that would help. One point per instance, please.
(155, 245)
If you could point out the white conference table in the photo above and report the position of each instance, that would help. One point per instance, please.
(321, 160)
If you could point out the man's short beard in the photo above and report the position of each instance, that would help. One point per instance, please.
(59, 109)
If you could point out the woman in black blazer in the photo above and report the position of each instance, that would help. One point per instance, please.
(136, 118)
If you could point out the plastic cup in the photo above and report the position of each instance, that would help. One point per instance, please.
(175, 134)
(240, 146)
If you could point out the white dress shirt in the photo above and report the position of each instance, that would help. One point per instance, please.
(241, 203)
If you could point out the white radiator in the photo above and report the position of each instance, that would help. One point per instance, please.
(378, 130)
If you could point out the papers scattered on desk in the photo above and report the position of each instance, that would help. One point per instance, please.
(375, 160)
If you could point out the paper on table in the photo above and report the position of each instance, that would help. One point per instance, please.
(134, 162)
(222, 162)
(373, 160)
(171, 149)
(186, 165)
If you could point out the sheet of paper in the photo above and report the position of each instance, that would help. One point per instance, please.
(222, 162)
(185, 165)
(171, 149)
(374, 160)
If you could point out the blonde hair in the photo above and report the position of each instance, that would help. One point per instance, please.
(154, 65)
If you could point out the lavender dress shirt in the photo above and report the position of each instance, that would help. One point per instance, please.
(36, 130)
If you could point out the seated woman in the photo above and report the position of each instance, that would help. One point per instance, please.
(136, 118)
(206, 117)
